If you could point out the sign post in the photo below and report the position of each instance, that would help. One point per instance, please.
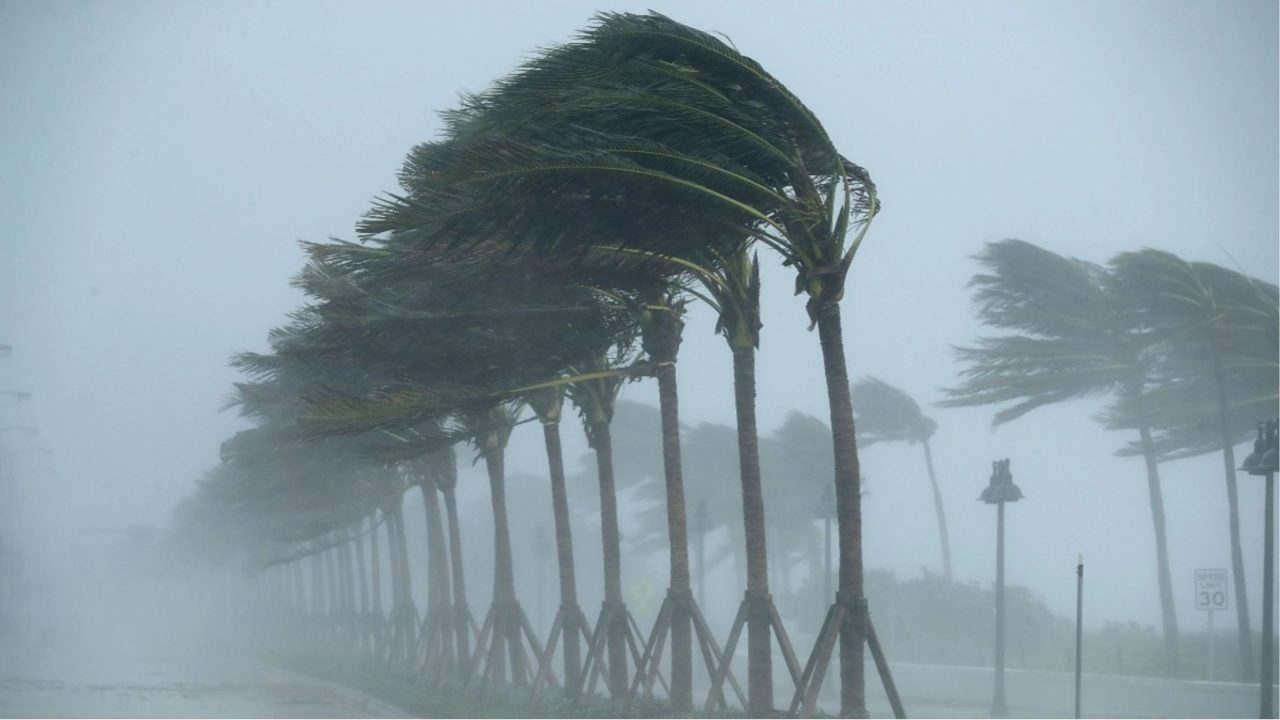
(1211, 595)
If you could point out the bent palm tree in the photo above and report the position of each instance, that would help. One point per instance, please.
(649, 122)
(1218, 326)
(1070, 338)
(887, 414)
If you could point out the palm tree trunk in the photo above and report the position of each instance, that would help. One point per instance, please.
(611, 539)
(407, 615)
(1168, 610)
(402, 557)
(504, 586)
(375, 569)
(848, 484)
(362, 619)
(331, 577)
(678, 537)
(759, 651)
(435, 553)
(299, 587)
(348, 584)
(564, 554)
(461, 618)
(1247, 670)
(438, 600)
(942, 514)
(317, 588)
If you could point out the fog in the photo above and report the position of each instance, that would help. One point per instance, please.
(161, 161)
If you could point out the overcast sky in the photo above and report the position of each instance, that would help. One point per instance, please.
(161, 159)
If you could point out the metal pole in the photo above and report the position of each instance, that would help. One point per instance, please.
(999, 708)
(1079, 627)
(1269, 598)
(1212, 643)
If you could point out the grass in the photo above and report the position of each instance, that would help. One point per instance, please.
(448, 699)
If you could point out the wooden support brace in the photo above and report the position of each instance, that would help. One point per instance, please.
(882, 666)
(713, 657)
(548, 655)
(655, 639)
(717, 683)
(788, 654)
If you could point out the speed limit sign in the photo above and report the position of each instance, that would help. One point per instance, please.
(1211, 589)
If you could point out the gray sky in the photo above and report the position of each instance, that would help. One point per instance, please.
(162, 158)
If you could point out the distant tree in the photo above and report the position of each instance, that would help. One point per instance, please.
(1218, 372)
(796, 473)
(887, 414)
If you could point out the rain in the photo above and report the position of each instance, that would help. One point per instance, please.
(659, 359)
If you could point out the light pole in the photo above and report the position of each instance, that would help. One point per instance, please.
(1000, 490)
(1263, 461)
(826, 512)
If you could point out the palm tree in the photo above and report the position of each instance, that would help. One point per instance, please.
(548, 403)
(1070, 338)
(524, 331)
(437, 631)
(661, 329)
(463, 622)
(595, 400)
(887, 414)
(798, 480)
(1218, 325)
(490, 430)
(643, 107)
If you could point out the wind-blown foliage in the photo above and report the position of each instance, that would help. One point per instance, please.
(1218, 371)
(1069, 336)
(887, 414)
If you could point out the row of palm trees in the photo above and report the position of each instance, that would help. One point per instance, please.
(545, 249)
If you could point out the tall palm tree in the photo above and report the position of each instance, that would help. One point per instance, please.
(1218, 325)
(447, 482)
(661, 330)
(595, 400)
(437, 631)
(645, 107)
(1069, 337)
(887, 414)
(548, 403)
(491, 429)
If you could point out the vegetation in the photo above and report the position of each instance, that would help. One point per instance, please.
(544, 249)
(1143, 332)
(887, 414)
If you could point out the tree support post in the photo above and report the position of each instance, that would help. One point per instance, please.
(840, 616)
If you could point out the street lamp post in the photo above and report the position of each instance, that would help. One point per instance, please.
(1263, 461)
(826, 512)
(1000, 490)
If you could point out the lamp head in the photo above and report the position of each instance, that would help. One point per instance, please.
(1000, 487)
